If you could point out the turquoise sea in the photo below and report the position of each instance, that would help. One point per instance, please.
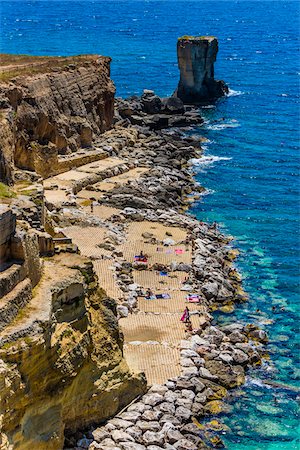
(251, 163)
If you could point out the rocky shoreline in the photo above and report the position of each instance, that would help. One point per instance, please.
(96, 182)
(213, 359)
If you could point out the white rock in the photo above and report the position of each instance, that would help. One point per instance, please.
(148, 426)
(186, 362)
(121, 423)
(151, 438)
(189, 354)
(190, 371)
(122, 311)
(205, 373)
(185, 345)
(132, 446)
(119, 436)
(197, 341)
(158, 389)
(225, 357)
(186, 393)
(152, 399)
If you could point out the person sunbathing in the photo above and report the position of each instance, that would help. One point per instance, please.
(149, 293)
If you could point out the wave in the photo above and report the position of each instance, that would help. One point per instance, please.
(207, 160)
(223, 126)
(233, 93)
(256, 382)
(207, 192)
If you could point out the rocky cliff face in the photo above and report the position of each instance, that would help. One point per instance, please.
(196, 58)
(52, 113)
(65, 371)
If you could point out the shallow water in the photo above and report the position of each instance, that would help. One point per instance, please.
(251, 164)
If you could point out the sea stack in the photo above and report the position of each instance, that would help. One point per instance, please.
(196, 58)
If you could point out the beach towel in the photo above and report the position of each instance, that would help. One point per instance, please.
(163, 274)
(184, 316)
(163, 296)
(159, 249)
(179, 251)
(193, 298)
(152, 297)
(169, 251)
(140, 259)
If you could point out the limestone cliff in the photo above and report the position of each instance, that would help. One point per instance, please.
(61, 351)
(196, 58)
(66, 370)
(52, 108)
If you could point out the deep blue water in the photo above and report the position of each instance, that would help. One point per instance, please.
(253, 176)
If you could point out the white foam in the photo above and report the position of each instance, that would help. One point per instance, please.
(223, 126)
(256, 382)
(208, 160)
(207, 192)
(233, 93)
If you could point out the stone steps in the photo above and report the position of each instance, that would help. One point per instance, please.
(13, 273)
(68, 162)
(11, 304)
(77, 179)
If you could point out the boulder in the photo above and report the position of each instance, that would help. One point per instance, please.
(183, 413)
(151, 438)
(173, 105)
(132, 446)
(100, 434)
(121, 436)
(185, 444)
(153, 399)
(205, 373)
(227, 376)
(148, 426)
(167, 408)
(173, 436)
(151, 103)
(210, 290)
(122, 311)
(121, 423)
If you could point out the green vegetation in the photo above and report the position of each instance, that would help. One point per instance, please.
(6, 192)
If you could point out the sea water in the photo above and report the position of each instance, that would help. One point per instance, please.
(251, 158)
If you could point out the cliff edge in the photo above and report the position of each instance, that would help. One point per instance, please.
(49, 108)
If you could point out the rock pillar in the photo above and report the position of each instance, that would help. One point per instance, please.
(196, 58)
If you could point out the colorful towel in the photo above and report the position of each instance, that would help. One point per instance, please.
(169, 251)
(193, 298)
(163, 274)
(163, 296)
(179, 251)
(140, 259)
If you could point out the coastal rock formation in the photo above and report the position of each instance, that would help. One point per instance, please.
(61, 358)
(196, 58)
(62, 366)
(52, 111)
